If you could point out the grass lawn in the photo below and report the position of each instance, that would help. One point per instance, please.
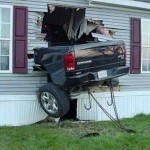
(66, 136)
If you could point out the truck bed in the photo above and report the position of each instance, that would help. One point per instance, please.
(75, 65)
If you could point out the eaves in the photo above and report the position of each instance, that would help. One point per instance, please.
(123, 3)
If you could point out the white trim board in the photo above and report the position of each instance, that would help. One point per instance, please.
(13, 98)
(117, 94)
(10, 39)
(142, 43)
(126, 3)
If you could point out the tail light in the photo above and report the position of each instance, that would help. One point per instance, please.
(70, 62)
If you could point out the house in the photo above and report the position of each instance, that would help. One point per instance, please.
(20, 33)
(131, 21)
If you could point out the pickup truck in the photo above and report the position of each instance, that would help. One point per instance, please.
(76, 66)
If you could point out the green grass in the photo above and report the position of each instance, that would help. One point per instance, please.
(66, 136)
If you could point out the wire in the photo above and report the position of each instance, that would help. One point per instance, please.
(116, 112)
(90, 103)
(117, 120)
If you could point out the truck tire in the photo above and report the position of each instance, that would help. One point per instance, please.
(53, 100)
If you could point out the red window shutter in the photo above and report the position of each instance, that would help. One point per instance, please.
(20, 40)
(135, 67)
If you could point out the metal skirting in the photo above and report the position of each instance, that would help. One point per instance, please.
(128, 104)
(17, 110)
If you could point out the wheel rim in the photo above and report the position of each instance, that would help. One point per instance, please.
(49, 102)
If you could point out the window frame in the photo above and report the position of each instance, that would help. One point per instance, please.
(10, 39)
(142, 45)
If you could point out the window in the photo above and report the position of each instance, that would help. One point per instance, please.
(5, 39)
(145, 60)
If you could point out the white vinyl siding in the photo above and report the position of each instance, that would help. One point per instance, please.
(116, 19)
(145, 55)
(126, 3)
(119, 22)
(5, 39)
(41, 5)
(28, 84)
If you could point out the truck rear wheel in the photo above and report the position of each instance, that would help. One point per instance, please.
(53, 100)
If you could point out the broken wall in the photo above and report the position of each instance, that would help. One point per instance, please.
(118, 20)
(72, 27)
(35, 37)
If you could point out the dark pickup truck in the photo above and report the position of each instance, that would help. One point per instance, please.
(74, 66)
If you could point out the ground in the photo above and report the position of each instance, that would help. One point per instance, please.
(67, 135)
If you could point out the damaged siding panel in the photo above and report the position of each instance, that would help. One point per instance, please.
(120, 21)
(117, 21)
(34, 31)
(38, 5)
(35, 37)
(111, 19)
(34, 44)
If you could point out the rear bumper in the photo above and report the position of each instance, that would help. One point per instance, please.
(93, 76)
